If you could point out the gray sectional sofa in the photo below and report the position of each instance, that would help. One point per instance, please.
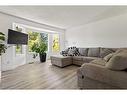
(97, 71)
(86, 56)
(103, 74)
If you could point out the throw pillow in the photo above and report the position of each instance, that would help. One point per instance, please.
(83, 51)
(105, 51)
(65, 52)
(107, 58)
(93, 52)
(121, 50)
(73, 51)
(99, 62)
(118, 61)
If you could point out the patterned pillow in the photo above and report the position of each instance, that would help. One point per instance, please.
(71, 51)
(65, 52)
(77, 53)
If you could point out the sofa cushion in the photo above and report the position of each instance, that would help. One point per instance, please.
(113, 49)
(79, 58)
(121, 50)
(118, 61)
(83, 51)
(94, 52)
(105, 51)
(99, 62)
(78, 62)
(102, 74)
(107, 58)
(89, 59)
(60, 60)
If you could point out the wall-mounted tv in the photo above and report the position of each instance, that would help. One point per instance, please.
(15, 37)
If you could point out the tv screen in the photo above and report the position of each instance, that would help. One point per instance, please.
(15, 37)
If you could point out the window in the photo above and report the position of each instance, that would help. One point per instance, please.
(56, 46)
(35, 37)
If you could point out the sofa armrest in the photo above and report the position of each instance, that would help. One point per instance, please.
(105, 75)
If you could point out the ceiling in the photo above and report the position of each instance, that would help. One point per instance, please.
(64, 16)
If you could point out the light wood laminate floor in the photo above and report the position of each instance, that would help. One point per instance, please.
(40, 76)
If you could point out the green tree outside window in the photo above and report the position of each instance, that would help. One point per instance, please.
(35, 37)
(56, 45)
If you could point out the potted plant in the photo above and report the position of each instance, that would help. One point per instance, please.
(2, 46)
(41, 49)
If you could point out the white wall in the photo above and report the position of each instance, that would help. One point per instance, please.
(10, 60)
(111, 32)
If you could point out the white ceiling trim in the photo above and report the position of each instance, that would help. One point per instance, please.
(33, 21)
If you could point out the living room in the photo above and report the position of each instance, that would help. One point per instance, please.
(65, 29)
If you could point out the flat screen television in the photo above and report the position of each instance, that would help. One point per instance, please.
(15, 37)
